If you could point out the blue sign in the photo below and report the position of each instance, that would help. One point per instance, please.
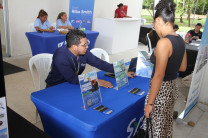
(81, 13)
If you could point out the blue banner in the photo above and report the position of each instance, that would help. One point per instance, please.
(81, 13)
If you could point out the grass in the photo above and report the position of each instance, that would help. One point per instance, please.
(145, 12)
(183, 27)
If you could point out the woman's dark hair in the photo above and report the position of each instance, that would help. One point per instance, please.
(60, 14)
(73, 37)
(175, 26)
(166, 10)
(120, 5)
(42, 13)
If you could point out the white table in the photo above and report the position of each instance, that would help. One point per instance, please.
(117, 34)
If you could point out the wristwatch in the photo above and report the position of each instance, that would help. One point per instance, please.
(151, 104)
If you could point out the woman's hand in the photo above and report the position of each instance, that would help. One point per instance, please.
(195, 37)
(71, 27)
(105, 84)
(131, 74)
(147, 110)
(51, 30)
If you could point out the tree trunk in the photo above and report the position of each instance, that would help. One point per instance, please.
(189, 14)
(181, 19)
(184, 4)
(203, 8)
(181, 16)
(189, 20)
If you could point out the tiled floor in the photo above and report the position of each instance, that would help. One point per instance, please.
(19, 87)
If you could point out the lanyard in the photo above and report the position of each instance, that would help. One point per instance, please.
(76, 69)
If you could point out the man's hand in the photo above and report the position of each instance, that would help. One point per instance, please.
(105, 84)
(131, 74)
(195, 37)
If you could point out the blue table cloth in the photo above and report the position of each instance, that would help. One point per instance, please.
(62, 114)
(47, 42)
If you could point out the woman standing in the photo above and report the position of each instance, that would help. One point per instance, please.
(119, 12)
(42, 24)
(62, 22)
(168, 58)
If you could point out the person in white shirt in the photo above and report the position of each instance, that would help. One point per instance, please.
(42, 24)
(62, 22)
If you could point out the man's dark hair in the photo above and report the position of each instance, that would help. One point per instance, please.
(175, 26)
(199, 24)
(166, 10)
(73, 37)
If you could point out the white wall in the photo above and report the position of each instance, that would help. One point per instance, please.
(24, 12)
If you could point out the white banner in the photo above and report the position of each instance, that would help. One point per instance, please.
(199, 70)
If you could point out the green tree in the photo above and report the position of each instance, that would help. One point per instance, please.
(202, 7)
(180, 9)
(190, 6)
(187, 6)
(149, 5)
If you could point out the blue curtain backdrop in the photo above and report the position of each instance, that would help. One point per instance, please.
(81, 13)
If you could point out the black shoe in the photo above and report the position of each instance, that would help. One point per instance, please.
(175, 114)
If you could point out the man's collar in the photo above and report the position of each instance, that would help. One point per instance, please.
(71, 54)
(198, 32)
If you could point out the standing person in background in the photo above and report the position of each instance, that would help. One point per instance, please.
(42, 24)
(119, 12)
(168, 58)
(62, 22)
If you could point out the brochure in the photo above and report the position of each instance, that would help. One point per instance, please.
(144, 68)
(90, 89)
(120, 74)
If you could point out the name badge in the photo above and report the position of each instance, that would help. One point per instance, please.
(83, 64)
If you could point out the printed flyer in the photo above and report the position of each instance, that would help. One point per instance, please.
(144, 68)
(90, 89)
(120, 74)
(3, 118)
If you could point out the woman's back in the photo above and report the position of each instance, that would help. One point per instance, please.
(174, 61)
